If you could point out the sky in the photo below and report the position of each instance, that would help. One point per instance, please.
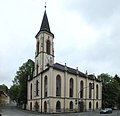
(87, 34)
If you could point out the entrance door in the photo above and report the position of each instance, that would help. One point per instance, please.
(80, 106)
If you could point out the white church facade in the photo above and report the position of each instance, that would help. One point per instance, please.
(56, 87)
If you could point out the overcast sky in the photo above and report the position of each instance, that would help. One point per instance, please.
(87, 34)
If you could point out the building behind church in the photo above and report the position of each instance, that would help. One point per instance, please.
(56, 87)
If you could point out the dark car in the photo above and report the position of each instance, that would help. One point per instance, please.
(106, 111)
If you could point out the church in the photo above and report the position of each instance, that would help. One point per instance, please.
(57, 87)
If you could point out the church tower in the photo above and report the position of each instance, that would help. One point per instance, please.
(44, 55)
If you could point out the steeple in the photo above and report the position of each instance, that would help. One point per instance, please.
(45, 24)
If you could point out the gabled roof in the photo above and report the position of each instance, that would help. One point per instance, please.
(3, 93)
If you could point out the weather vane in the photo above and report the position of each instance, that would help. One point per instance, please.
(45, 5)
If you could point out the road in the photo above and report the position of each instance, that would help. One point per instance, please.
(13, 111)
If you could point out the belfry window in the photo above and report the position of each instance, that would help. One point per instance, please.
(58, 85)
(48, 46)
(45, 86)
(71, 87)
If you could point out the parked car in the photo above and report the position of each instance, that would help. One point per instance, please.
(106, 111)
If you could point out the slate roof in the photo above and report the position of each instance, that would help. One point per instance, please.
(70, 70)
(73, 71)
(45, 24)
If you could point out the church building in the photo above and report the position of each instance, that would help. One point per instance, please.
(57, 87)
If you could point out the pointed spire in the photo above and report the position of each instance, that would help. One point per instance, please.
(45, 23)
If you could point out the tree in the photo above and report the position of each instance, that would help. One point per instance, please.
(19, 87)
(110, 88)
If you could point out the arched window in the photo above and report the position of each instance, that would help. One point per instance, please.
(90, 105)
(90, 90)
(48, 46)
(37, 69)
(37, 88)
(97, 91)
(31, 91)
(31, 106)
(58, 106)
(58, 85)
(71, 87)
(37, 47)
(96, 105)
(45, 106)
(71, 105)
(45, 86)
(81, 89)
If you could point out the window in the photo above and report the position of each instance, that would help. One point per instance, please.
(31, 106)
(90, 90)
(90, 105)
(48, 46)
(58, 85)
(71, 105)
(45, 106)
(96, 105)
(31, 91)
(71, 87)
(37, 47)
(81, 89)
(45, 86)
(58, 106)
(37, 88)
(37, 69)
(97, 91)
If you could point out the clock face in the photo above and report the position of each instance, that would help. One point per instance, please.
(49, 59)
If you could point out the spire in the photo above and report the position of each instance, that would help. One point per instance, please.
(45, 24)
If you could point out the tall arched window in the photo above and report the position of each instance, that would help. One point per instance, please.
(71, 87)
(45, 86)
(71, 105)
(48, 46)
(37, 88)
(58, 85)
(97, 91)
(58, 106)
(31, 91)
(45, 106)
(81, 89)
(90, 90)
(37, 48)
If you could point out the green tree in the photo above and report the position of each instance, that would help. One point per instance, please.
(110, 88)
(20, 81)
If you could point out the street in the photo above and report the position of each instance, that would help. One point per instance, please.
(13, 111)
